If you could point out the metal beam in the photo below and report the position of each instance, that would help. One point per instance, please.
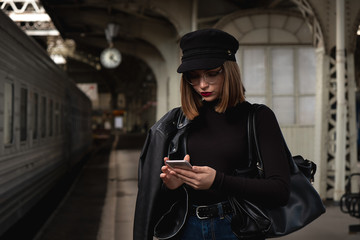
(194, 16)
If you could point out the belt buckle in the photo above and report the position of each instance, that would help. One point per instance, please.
(197, 212)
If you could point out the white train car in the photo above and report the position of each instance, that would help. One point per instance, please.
(44, 123)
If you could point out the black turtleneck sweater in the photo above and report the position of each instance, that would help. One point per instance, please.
(219, 140)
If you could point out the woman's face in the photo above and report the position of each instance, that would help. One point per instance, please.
(207, 83)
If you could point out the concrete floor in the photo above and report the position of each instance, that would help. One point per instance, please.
(118, 212)
(333, 225)
(115, 221)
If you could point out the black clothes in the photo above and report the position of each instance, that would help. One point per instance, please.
(216, 140)
(220, 141)
(153, 199)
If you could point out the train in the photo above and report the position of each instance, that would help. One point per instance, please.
(45, 123)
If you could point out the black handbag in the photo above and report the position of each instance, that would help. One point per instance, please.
(304, 205)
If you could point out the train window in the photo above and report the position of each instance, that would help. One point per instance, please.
(57, 125)
(51, 112)
(62, 127)
(35, 115)
(23, 113)
(8, 113)
(43, 116)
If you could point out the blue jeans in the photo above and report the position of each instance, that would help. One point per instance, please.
(208, 229)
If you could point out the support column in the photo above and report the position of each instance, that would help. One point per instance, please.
(321, 121)
(341, 110)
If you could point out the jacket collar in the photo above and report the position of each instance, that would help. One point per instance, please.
(182, 121)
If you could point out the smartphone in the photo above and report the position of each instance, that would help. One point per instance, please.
(178, 164)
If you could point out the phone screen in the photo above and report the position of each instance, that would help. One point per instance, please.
(179, 164)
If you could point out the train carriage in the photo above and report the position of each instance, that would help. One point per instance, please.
(44, 123)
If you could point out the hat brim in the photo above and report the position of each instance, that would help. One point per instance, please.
(200, 64)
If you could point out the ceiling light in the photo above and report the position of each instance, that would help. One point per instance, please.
(58, 59)
(29, 17)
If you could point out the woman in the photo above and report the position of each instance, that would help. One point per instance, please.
(209, 131)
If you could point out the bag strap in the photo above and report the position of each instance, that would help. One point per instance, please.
(296, 163)
(253, 146)
(252, 138)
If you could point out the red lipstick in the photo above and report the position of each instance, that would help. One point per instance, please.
(205, 94)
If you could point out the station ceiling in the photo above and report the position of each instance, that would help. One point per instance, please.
(85, 21)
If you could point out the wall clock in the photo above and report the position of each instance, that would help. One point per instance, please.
(110, 57)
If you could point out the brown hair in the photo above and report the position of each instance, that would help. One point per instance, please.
(232, 93)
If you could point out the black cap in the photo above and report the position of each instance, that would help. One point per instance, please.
(206, 49)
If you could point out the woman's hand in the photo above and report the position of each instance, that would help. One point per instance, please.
(199, 178)
(169, 177)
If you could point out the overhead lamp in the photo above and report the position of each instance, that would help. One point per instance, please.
(111, 31)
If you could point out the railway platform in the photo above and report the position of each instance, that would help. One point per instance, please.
(100, 204)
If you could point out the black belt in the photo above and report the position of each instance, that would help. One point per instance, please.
(210, 211)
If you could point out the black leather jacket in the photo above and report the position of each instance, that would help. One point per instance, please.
(165, 211)
(166, 138)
